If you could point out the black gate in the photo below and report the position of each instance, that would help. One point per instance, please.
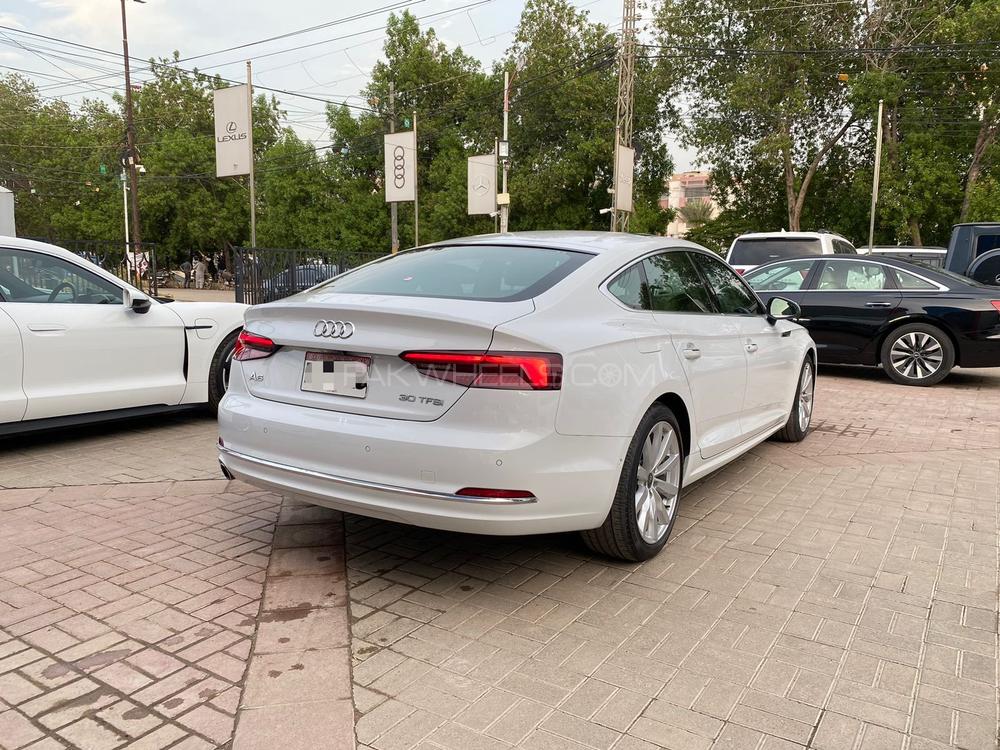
(265, 274)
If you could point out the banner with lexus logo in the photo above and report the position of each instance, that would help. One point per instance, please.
(400, 166)
(232, 132)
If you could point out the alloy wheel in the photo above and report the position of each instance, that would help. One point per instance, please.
(916, 355)
(807, 384)
(658, 482)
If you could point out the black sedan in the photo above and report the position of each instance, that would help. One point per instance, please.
(915, 321)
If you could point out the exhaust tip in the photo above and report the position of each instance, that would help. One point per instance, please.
(225, 471)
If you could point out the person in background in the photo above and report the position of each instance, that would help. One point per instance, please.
(186, 268)
(213, 271)
(200, 268)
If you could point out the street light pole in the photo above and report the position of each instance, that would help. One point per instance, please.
(875, 176)
(131, 155)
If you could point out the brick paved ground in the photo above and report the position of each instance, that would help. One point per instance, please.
(127, 612)
(152, 449)
(841, 593)
(837, 594)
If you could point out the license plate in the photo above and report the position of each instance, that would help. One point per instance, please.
(337, 374)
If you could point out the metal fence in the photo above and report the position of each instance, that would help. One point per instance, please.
(113, 257)
(263, 274)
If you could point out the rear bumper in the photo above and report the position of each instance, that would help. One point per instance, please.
(409, 472)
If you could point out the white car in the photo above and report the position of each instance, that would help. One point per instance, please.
(757, 248)
(516, 384)
(81, 345)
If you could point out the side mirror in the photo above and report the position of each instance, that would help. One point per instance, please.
(779, 308)
(137, 302)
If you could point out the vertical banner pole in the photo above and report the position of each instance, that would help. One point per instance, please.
(394, 206)
(253, 191)
(505, 207)
(875, 178)
(416, 186)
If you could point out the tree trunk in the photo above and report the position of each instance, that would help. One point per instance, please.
(786, 153)
(795, 211)
(914, 226)
(987, 133)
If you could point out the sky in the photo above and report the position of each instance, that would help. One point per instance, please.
(335, 65)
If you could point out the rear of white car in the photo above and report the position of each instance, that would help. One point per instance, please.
(755, 249)
(386, 391)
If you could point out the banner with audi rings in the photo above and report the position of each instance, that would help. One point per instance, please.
(401, 166)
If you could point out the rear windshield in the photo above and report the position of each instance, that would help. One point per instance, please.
(750, 252)
(495, 273)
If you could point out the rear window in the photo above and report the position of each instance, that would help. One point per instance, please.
(751, 252)
(494, 273)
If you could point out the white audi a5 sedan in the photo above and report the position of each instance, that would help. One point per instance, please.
(81, 345)
(516, 384)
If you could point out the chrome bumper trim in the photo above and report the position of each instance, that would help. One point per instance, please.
(363, 484)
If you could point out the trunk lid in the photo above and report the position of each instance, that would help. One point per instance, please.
(381, 328)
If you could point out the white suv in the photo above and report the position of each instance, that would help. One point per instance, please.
(751, 250)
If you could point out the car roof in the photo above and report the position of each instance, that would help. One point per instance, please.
(597, 243)
(906, 249)
(20, 243)
(789, 235)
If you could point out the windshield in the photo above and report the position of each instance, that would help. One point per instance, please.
(756, 252)
(497, 273)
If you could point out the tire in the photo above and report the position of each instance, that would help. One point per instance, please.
(800, 417)
(218, 373)
(620, 535)
(918, 354)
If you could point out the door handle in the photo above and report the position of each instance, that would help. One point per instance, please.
(751, 347)
(46, 327)
(878, 304)
(691, 352)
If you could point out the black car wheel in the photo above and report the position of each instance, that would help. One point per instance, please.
(644, 508)
(218, 374)
(918, 354)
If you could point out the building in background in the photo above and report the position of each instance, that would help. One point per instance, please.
(684, 190)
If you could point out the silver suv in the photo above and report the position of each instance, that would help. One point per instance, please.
(751, 250)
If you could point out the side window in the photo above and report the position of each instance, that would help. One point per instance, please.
(733, 295)
(627, 287)
(909, 281)
(675, 286)
(781, 277)
(851, 276)
(987, 242)
(35, 277)
(843, 248)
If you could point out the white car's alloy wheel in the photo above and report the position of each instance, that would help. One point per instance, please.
(657, 480)
(807, 387)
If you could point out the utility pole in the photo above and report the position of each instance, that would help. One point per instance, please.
(253, 187)
(626, 103)
(393, 210)
(505, 206)
(124, 181)
(131, 155)
(875, 178)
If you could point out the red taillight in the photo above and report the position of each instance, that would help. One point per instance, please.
(253, 346)
(996, 304)
(509, 370)
(495, 494)
(741, 271)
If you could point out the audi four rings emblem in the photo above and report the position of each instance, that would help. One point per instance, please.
(398, 167)
(333, 329)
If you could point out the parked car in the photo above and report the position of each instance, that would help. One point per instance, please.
(751, 250)
(974, 251)
(516, 384)
(297, 279)
(81, 345)
(914, 321)
(927, 256)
